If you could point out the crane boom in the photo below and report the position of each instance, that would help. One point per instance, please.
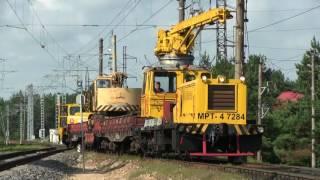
(179, 40)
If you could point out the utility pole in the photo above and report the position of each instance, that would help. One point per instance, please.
(30, 119)
(42, 118)
(181, 10)
(7, 129)
(124, 59)
(25, 114)
(64, 98)
(21, 122)
(100, 57)
(79, 83)
(313, 156)
(3, 72)
(259, 158)
(114, 53)
(87, 80)
(57, 113)
(239, 38)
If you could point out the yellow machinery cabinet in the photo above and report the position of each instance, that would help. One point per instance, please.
(211, 102)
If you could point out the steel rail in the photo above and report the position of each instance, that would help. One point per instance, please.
(21, 159)
(19, 153)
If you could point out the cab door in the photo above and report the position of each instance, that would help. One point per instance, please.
(153, 99)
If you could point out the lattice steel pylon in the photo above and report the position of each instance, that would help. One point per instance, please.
(7, 128)
(30, 117)
(58, 104)
(196, 9)
(64, 98)
(221, 34)
(21, 113)
(42, 118)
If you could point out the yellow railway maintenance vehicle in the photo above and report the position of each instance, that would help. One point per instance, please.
(193, 112)
(181, 110)
(108, 95)
(69, 119)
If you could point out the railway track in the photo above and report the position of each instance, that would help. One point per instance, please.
(10, 160)
(256, 171)
(264, 171)
(285, 171)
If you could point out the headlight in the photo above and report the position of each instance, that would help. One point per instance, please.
(242, 78)
(204, 78)
(221, 79)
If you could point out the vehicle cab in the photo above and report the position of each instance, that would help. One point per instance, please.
(190, 95)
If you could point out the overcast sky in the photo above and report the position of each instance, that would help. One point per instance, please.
(38, 54)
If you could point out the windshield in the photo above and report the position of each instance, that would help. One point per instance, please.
(103, 83)
(74, 110)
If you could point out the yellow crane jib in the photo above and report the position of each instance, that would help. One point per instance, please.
(179, 40)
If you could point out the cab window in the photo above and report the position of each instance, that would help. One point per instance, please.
(189, 77)
(74, 110)
(103, 83)
(165, 82)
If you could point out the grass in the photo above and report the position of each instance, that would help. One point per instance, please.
(164, 169)
(172, 170)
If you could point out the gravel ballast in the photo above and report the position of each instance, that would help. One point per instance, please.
(53, 167)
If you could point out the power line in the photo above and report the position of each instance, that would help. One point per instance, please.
(276, 10)
(146, 20)
(44, 27)
(286, 30)
(292, 58)
(278, 48)
(129, 12)
(30, 33)
(126, 6)
(110, 32)
(285, 19)
(87, 25)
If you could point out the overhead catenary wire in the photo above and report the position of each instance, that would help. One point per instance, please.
(93, 40)
(136, 29)
(87, 25)
(45, 29)
(279, 48)
(146, 20)
(276, 10)
(287, 30)
(31, 34)
(292, 58)
(285, 19)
